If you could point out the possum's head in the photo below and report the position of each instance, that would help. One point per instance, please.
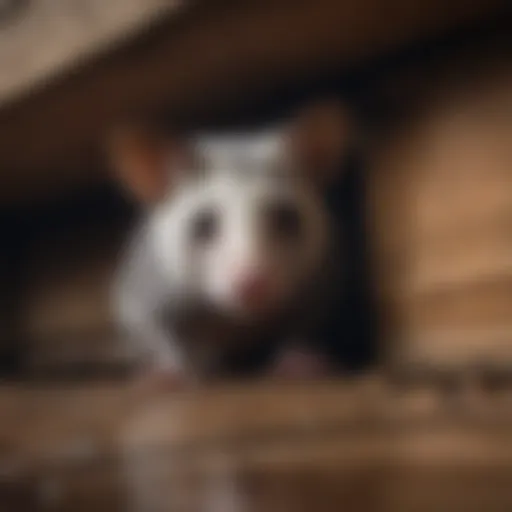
(240, 221)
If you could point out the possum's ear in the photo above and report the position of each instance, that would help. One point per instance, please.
(146, 162)
(318, 139)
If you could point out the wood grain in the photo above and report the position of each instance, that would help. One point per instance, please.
(363, 445)
(440, 208)
(48, 137)
(48, 37)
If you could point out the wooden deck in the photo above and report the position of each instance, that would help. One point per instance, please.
(329, 446)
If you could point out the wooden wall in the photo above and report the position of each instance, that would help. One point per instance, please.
(440, 214)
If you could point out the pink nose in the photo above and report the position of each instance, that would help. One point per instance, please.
(253, 289)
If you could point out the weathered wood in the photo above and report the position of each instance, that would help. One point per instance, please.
(440, 207)
(196, 60)
(105, 446)
(42, 38)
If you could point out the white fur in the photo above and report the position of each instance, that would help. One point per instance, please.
(237, 183)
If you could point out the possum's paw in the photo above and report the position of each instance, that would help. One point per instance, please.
(298, 364)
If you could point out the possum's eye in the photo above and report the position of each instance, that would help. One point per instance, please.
(204, 226)
(284, 220)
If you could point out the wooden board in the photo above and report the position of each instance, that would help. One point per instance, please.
(254, 448)
(440, 206)
(197, 60)
(43, 38)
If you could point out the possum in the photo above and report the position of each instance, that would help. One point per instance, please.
(234, 269)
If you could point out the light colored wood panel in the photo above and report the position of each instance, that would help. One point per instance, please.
(471, 306)
(454, 348)
(47, 37)
(441, 227)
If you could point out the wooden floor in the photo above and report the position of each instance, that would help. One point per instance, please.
(329, 446)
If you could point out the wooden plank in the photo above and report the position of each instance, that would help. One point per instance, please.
(43, 38)
(48, 137)
(101, 446)
(69, 418)
(439, 208)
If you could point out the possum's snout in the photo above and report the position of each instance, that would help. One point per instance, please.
(253, 289)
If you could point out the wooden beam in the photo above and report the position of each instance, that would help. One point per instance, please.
(199, 58)
(45, 38)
